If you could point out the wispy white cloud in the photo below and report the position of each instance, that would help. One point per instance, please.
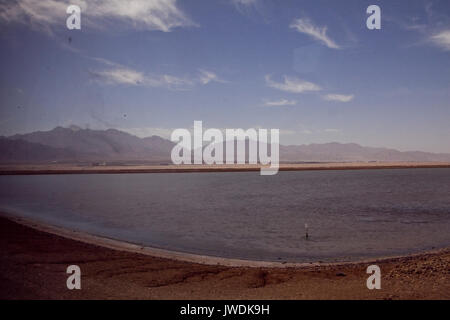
(172, 81)
(249, 7)
(119, 76)
(116, 74)
(292, 84)
(319, 33)
(339, 97)
(208, 76)
(441, 39)
(431, 26)
(282, 102)
(126, 76)
(162, 15)
(38, 11)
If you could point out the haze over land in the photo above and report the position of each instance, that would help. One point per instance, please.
(74, 144)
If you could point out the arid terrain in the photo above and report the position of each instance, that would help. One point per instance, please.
(33, 266)
(80, 169)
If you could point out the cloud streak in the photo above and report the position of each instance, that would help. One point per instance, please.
(280, 103)
(208, 76)
(116, 74)
(318, 33)
(339, 97)
(292, 84)
(130, 77)
(161, 15)
(119, 76)
(442, 39)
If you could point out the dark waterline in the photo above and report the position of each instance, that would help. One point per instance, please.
(351, 214)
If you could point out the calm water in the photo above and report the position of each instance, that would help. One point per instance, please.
(351, 214)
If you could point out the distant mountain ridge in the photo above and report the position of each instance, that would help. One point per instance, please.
(335, 152)
(75, 144)
(89, 145)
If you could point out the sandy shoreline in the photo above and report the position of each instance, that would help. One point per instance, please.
(34, 258)
(85, 169)
(189, 257)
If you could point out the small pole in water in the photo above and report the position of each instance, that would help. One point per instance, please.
(306, 231)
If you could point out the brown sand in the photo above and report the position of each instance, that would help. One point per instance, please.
(81, 169)
(33, 265)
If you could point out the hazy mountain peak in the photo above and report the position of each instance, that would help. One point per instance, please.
(74, 127)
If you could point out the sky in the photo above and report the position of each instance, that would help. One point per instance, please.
(309, 68)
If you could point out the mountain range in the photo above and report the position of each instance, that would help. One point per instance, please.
(74, 144)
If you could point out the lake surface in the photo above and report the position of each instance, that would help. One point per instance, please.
(352, 214)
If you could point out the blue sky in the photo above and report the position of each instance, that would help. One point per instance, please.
(310, 68)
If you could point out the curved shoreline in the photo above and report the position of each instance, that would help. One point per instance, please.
(195, 258)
